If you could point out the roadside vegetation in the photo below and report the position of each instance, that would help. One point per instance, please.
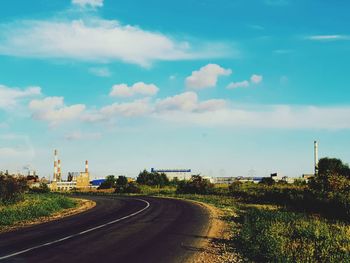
(20, 204)
(275, 221)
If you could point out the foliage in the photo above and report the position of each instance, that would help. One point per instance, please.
(267, 181)
(42, 189)
(123, 186)
(281, 236)
(109, 183)
(152, 179)
(34, 206)
(12, 189)
(197, 185)
(333, 176)
(122, 181)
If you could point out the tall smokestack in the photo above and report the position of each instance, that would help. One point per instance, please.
(59, 170)
(316, 157)
(86, 166)
(55, 166)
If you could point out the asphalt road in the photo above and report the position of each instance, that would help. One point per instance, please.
(122, 229)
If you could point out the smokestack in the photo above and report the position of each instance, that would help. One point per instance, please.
(59, 170)
(316, 157)
(55, 166)
(86, 166)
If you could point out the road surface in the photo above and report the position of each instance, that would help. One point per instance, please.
(121, 229)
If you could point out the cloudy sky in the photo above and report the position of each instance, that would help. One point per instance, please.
(224, 87)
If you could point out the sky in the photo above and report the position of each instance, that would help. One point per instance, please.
(223, 87)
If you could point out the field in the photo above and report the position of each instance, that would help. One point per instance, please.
(32, 207)
(271, 232)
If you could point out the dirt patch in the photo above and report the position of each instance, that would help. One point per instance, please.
(214, 249)
(83, 205)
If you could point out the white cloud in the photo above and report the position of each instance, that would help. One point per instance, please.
(241, 84)
(100, 41)
(130, 109)
(188, 102)
(10, 96)
(85, 3)
(78, 135)
(268, 117)
(206, 77)
(256, 79)
(100, 72)
(53, 110)
(328, 37)
(139, 88)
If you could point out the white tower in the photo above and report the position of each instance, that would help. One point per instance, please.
(316, 157)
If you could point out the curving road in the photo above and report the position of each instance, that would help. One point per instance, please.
(122, 229)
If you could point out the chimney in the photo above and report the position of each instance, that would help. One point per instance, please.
(59, 170)
(86, 166)
(55, 169)
(316, 157)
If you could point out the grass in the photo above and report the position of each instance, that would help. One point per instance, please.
(32, 207)
(270, 233)
(283, 236)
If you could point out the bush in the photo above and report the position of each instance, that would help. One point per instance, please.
(280, 236)
(12, 189)
(109, 183)
(197, 185)
(42, 189)
(129, 188)
(152, 179)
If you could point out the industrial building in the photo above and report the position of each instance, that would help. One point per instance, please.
(77, 181)
(180, 174)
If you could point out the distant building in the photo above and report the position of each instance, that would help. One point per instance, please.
(79, 181)
(224, 180)
(180, 174)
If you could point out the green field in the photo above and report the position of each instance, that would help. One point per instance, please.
(32, 207)
(272, 233)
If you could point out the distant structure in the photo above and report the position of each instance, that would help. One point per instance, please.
(316, 157)
(180, 174)
(78, 181)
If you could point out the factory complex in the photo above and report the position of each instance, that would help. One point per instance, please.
(80, 181)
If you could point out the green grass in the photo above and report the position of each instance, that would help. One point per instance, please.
(283, 236)
(268, 233)
(34, 206)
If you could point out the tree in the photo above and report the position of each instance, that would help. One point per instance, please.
(12, 189)
(122, 180)
(109, 183)
(152, 179)
(333, 176)
(197, 185)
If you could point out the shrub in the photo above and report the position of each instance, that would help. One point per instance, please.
(129, 188)
(197, 185)
(152, 179)
(12, 189)
(109, 183)
(280, 236)
(42, 189)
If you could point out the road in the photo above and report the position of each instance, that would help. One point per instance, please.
(122, 229)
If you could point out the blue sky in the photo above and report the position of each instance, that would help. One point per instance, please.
(224, 87)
